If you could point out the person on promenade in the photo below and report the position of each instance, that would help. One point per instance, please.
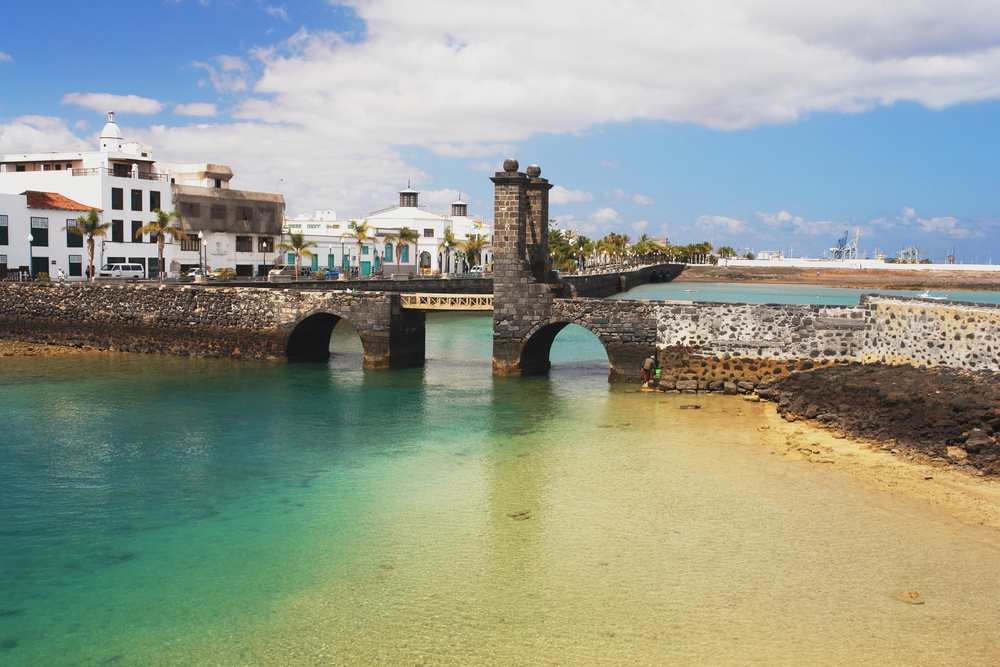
(60, 275)
(648, 366)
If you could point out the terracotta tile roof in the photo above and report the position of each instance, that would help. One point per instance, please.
(53, 201)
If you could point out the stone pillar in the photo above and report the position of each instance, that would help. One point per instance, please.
(537, 228)
(520, 300)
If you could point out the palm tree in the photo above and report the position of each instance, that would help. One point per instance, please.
(404, 237)
(299, 246)
(161, 227)
(89, 226)
(473, 247)
(360, 232)
(447, 245)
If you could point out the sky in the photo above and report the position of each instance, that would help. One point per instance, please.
(762, 125)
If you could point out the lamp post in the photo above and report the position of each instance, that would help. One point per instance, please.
(201, 240)
(31, 257)
(263, 249)
(330, 263)
(204, 266)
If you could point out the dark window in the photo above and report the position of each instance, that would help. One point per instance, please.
(152, 237)
(19, 167)
(3, 266)
(136, 236)
(137, 200)
(58, 167)
(265, 244)
(218, 182)
(189, 210)
(190, 243)
(40, 232)
(244, 244)
(154, 200)
(141, 261)
(154, 266)
(115, 260)
(118, 231)
(76, 266)
(244, 270)
(428, 233)
(4, 240)
(117, 199)
(218, 212)
(73, 240)
(122, 170)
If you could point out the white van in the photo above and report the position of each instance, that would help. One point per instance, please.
(128, 271)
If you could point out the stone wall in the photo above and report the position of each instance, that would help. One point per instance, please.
(609, 284)
(921, 333)
(239, 322)
(434, 285)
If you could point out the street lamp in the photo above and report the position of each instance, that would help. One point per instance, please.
(204, 266)
(201, 237)
(330, 263)
(31, 257)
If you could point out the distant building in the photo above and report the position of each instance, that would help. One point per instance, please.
(33, 237)
(122, 180)
(425, 257)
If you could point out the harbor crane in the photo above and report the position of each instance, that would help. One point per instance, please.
(845, 250)
(911, 255)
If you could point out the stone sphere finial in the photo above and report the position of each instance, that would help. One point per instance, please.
(534, 171)
(510, 164)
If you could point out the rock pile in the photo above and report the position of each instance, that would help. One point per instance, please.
(944, 414)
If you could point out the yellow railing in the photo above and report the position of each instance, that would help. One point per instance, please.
(421, 301)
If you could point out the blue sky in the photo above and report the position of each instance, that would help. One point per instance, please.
(761, 124)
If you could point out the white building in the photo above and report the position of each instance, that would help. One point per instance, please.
(426, 257)
(33, 235)
(122, 180)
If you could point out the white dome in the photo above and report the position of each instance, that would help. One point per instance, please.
(111, 130)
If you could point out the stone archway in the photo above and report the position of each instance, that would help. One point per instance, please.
(536, 348)
(309, 338)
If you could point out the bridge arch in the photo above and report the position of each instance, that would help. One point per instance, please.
(309, 336)
(536, 346)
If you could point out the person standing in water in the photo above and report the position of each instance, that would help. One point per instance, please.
(648, 366)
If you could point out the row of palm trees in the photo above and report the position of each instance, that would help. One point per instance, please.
(571, 251)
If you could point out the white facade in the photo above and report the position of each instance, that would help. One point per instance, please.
(334, 249)
(33, 238)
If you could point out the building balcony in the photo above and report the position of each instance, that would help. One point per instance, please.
(103, 171)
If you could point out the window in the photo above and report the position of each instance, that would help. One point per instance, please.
(73, 240)
(244, 244)
(406, 254)
(19, 167)
(190, 244)
(152, 237)
(118, 231)
(40, 232)
(388, 251)
(3, 263)
(114, 260)
(154, 200)
(136, 236)
(218, 212)
(364, 250)
(428, 233)
(4, 240)
(121, 170)
(154, 266)
(218, 182)
(76, 265)
(117, 199)
(312, 226)
(189, 210)
(244, 214)
(265, 244)
(137, 200)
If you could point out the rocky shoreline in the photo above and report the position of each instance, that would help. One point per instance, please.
(937, 416)
(14, 348)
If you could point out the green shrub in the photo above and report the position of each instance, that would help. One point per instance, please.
(42, 276)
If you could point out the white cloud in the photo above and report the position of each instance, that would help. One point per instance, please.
(643, 200)
(31, 133)
(605, 216)
(118, 103)
(640, 226)
(485, 166)
(81, 124)
(560, 195)
(785, 221)
(195, 109)
(6, 57)
(276, 12)
(720, 223)
(444, 196)
(230, 74)
(460, 78)
(908, 219)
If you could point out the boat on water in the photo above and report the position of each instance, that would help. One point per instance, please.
(926, 294)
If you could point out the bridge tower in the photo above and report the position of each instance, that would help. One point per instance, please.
(522, 297)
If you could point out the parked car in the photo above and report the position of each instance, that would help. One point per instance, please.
(223, 273)
(476, 269)
(332, 274)
(289, 270)
(129, 271)
(195, 273)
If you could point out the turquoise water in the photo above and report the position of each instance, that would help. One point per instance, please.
(780, 293)
(173, 511)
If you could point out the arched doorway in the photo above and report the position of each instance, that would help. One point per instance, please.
(425, 262)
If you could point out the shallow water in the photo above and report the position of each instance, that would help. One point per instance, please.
(164, 511)
(782, 293)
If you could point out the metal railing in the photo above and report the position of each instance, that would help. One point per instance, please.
(422, 301)
(103, 171)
